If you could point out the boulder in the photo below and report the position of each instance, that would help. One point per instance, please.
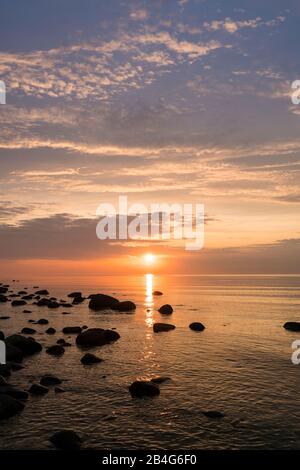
(75, 294)
(88, 359)
(78, 300)
(53, 304)
(62, 342)
(42, 321)
(69, 330)
(3, 298)
(42, 292)
(13, 354)
(124, 306)
(157, 292)
(102, 302)
(43, 302)
(5, 370)
(158, 327)
(28, 346)
(28, 331)
(55, 350)
(9, 406)
(50, 331)
(37, 389)
(166, 309)
(66, 440)
(197, 326)
(48, 380)
(143, 388)
(96, 337)
(18, 303)
(292, 326)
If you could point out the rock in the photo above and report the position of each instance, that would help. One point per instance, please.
(13, 392)
(88, 359)
(160, 380)
(18, 303)
(84, 327)
(213, 414)
(28, 346)
(75, 294)
(22, 292)
(4, 317)
(143, 388)
(5, 370)
(27, 297)
(158, 327)
(28, 331)
(59, 390)
(197, 326)
(27, 311)
(67, 305)
(9, 406)
(42, 321)
(2, 381)
(124, 306)
(53, 304)
(50, 331)
(13, 354)
(62, 342)
(166, 309)
(42, 292)
(69, 330)
(102, 302)
(96, 337)
(65, 313)
(37, 389)
(15, 366)
(48, 380)
(3, 298)
(78, 300)
(66, 440)
(3, 290)
(157, 292)
(292, 326)
(43, 302)
(55, 350)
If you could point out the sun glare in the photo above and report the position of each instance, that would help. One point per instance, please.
(149, 258)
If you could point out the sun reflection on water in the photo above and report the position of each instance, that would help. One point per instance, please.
(149, 299)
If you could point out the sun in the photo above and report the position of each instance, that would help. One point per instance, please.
(149, 258)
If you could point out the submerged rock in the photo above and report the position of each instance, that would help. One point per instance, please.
(28, 331)
(78, 300)
(143, 388)
(66, 440)
(96, 337)
(43, 302)
(213, 414)
(158, 327)
(166, 309)
(292, 326)
(28, 346)
(9, 406)
(197, 326)
(88, 359)
(102, 302)
(55, 350)
(37, 389)
(48, 380)
(124, 306)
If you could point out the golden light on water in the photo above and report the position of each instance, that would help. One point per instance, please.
(149, 258)
(149, 298)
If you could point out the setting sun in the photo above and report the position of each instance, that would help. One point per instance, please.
(149, 258)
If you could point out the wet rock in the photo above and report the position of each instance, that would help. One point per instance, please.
(213, 414)
(43, 302)
(50, 331)
(3, 290)
(66, 440)
(9, 406)
(55, 350)
(158, 327)
(88, 359)
(3, 298)
(27, 311)
(18, 303)
(84, 327)
(160, 380)
(75, 294)
(157, 292)
(37, 389)
(22, 292)
(28, 346)
(13, 392)
(69, 330)
(292, 326)
(67, 305)
(28, 331)
(27, 297)
(78, 300)
(4, 317)
(5, 370)
(96, 337)
(15, 366)
(48, 380)
(13, 354)
(124, 306)
(166, 309)
(197, 326)
(102, 302)
(62, 342)
(143, 388)
(65, 313)
(42, 292)
(42, 321)
(53, 304)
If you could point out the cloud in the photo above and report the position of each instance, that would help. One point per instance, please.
(139, 14)
(232, 26)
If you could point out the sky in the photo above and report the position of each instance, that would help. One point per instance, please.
(166, 101)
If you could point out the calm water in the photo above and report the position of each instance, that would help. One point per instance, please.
(240, 365)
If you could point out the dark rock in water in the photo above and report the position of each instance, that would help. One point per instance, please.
(67, 305)
(166, 309)
(2, 381)
(50, 331)
(48, 380)
(3, 298)
(292, 326)
(15, 366)
(43, 302)
(59, 390)
(18, 303)
(28, 331)
(102, 302)
(143, 388)
(37, 389)
(27, 311)
(88, 359)
(158, 327)
(197, 326)
(157, 292)
(78, 300)
(9, 406)
(3, 290)
(69, 330)
(160, 380)
(42, 321)
(53, 304)
(42, 292)
(66, 440)
(13, 354)
(84, 327)
(213, 414)
(22, 292)
(27, 297)
(2, 336)
(96, 337)
(28, 346)
(55, 350)
(13, 392)
(62, 342)
(5, 370)
(75, 294)
(124, 306)
(4, 317)
(65, 313)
